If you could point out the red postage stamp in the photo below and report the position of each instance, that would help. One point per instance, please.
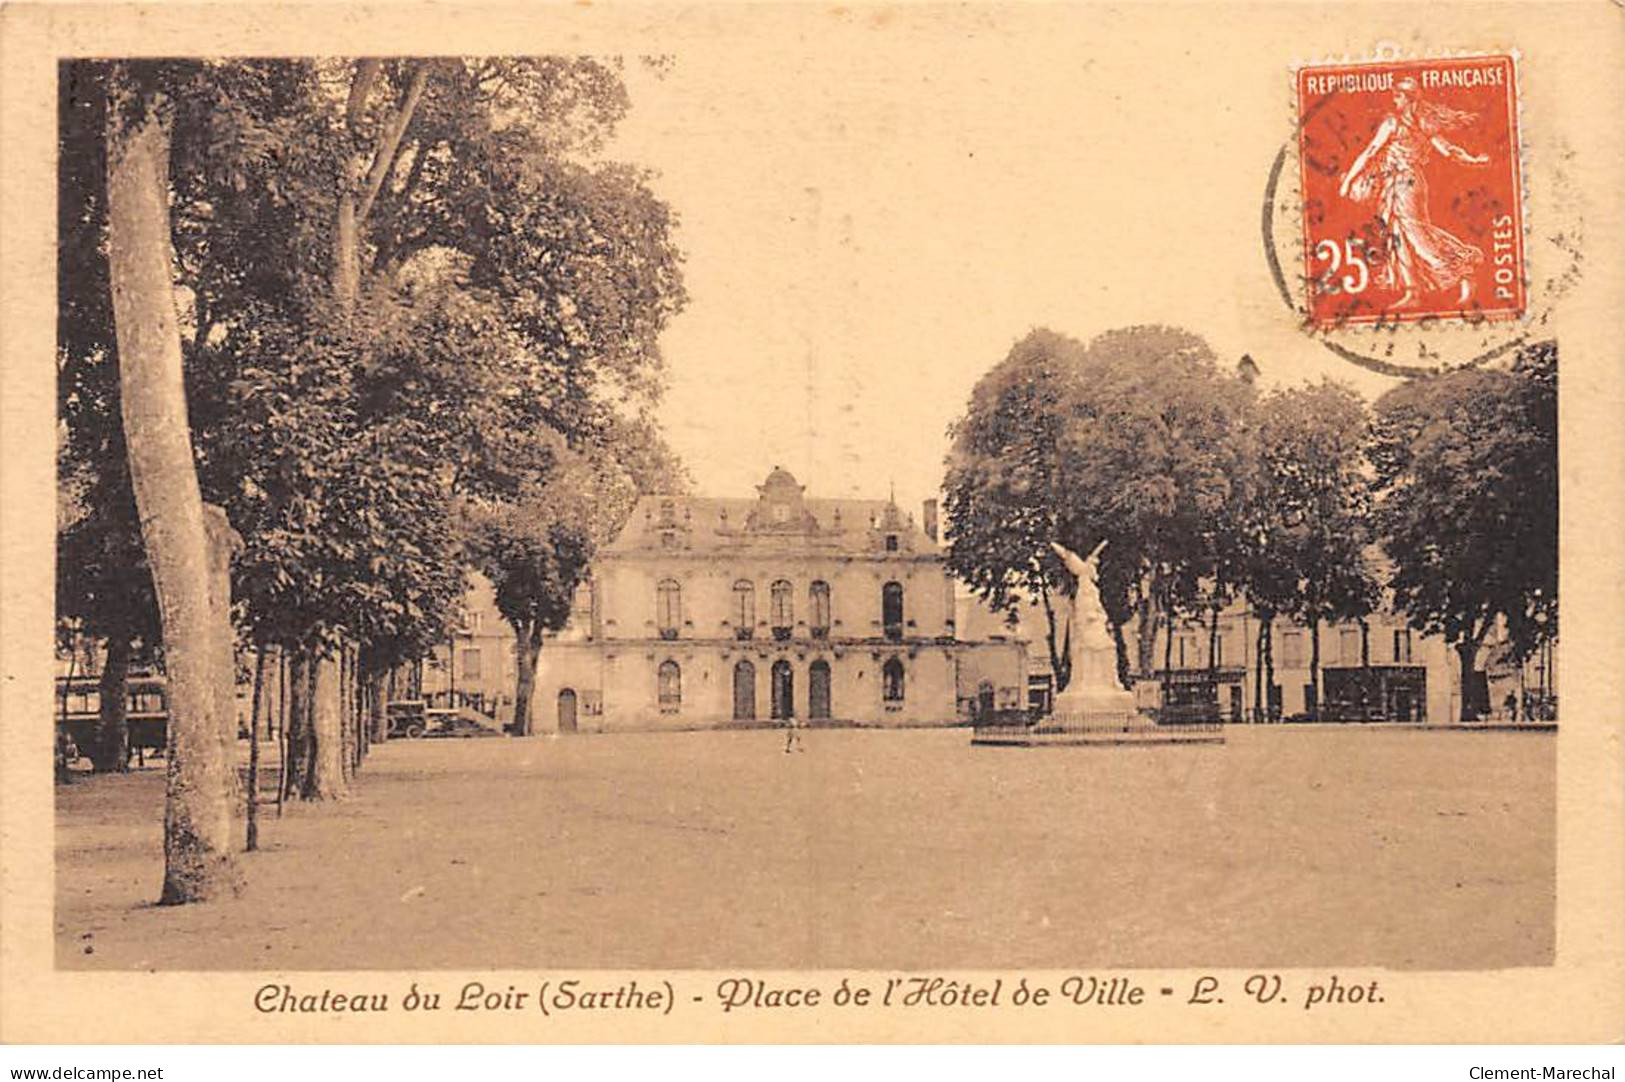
(1412, 205)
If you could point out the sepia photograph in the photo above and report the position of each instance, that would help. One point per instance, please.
(903, 491)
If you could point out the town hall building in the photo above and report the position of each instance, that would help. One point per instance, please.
(715, 612)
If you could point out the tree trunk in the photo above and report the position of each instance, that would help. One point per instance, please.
(1313, 705)
(363, 717)
(1213, 642)
(198, 860)
(1269, 668)
(1467, 656)
(1060, 653)
(1365, 643)
(1258, 672)
(1124, 677)
(326, 780)
(224, 542)
(1168, 648)
(377, 702)
(299, 758)
(110, 750)
(352, 168)
(1145, 635)
(529, 649)
(254, 750)
(347, 733)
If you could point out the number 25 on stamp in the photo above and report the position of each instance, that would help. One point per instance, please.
(1412, 205)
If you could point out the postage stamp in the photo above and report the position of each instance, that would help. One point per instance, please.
(1412, 205)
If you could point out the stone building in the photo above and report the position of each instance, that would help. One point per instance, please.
(1384, 670)
(476, 666)
(716, 612)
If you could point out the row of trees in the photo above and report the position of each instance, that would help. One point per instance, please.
(390, 320)
(1206, 490)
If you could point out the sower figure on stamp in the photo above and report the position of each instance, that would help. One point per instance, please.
(1421, 255)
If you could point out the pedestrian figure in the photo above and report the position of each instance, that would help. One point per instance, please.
(792, 735)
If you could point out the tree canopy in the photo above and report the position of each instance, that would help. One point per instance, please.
(1466, 480)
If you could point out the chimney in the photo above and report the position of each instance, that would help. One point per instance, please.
(930, 519)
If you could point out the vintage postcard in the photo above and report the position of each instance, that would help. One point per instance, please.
(811, 523)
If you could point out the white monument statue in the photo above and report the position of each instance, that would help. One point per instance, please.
(1093, 692)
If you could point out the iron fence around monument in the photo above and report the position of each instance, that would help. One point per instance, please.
(1021, 728)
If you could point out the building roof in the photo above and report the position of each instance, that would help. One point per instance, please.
(780, 518)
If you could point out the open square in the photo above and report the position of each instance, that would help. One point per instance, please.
(1289, 846)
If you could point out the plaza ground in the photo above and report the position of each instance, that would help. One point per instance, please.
(877, 850)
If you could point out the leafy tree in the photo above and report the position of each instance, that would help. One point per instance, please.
(1134, 440)
(380, 261)
(1158, 457)
(1466, 481)
(1311, 506)
(537, 549)
(1003, 496)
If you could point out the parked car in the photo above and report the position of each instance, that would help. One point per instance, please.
(408, 718)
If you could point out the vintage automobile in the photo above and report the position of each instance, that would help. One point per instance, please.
(408, 718)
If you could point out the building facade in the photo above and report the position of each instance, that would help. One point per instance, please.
(1383, 670)
(477, 665)
(715, 612)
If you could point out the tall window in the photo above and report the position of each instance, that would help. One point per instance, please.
(784, 690)
(783, 609)
(669, 607)
(1402, 646)
(891, 610)
(1348, 640)
(671, 687)
(744, 609)
(581, 608)
(818, 690)
(891, 681)
(744, 691)
(818, 602)
(471, 663)
(1292, 655)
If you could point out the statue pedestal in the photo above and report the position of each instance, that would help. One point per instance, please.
(1099, 704)
(1094, 697)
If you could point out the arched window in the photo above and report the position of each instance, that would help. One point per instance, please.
(669, 607)
(891, 610)
(818, 602)
(744, 691)
(818, 705)
(784, 691)
(891, 681)
(744, 609)
(783, 609)
(671, 687)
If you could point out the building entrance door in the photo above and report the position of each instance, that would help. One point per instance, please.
(744, 691)
(784, 687)
(567, 710)
(818, 690)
